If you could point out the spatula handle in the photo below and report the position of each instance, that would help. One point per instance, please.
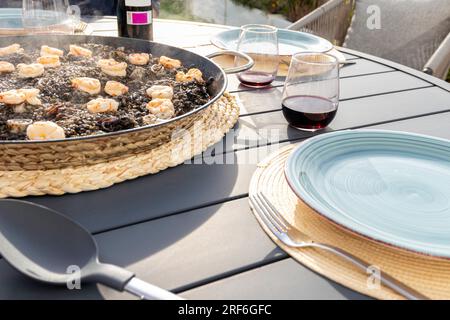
(123, 280)
(148, 291)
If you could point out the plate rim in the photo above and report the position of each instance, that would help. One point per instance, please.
(386, 242)
(219, 44)
(18, 31)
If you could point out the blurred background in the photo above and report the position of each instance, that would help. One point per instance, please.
(279, 13)
(343, 22)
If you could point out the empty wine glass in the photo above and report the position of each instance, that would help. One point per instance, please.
(311, 91)
(47, 16)
(261, 43)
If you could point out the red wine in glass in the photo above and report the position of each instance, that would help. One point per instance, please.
(256, 79)
(309, 113)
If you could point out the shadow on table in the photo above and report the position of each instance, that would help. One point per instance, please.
(120, 213)
(294, 133)
(348, 293)
(146, 198)
(15, 286)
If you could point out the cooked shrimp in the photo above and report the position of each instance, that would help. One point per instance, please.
(12, 97)
(49, 61)
(30, 70)
(18, 125)
(31, 96)
(112, 67)
(6, 67)
(49, 51)
(14, 48)
(169, 63)
(162, 108)
(19, 108)
(151, 119)
(79, 51)
(162, 92)
(101, 105)
(191, 75)
(45, 130)
(114, 88)
(85, 84)
(139, 59)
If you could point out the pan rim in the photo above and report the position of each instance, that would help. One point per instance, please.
(126, 131)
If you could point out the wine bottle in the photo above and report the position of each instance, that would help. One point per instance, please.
(135, 19)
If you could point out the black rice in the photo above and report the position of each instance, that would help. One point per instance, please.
(65, 106)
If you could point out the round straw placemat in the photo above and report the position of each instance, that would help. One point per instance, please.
(428, 275)
(217, 120)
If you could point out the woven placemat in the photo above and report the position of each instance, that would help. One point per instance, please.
(217, 120)
(430, 276)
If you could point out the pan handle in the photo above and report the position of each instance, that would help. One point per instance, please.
(250, 63)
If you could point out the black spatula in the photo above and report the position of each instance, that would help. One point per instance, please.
(43, 244)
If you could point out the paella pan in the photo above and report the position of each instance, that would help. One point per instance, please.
(101, 98)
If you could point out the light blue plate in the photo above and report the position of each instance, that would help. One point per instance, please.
(290, 42)
(11, 18)
(388, 186)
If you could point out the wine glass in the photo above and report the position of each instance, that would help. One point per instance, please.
(47, 16)
(311, 91)
(261, 43)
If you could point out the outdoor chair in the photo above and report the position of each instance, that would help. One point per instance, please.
(415, 33)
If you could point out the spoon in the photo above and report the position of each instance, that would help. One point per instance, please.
(43, 244)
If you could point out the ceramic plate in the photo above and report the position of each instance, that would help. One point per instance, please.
(290, 42)
(388, 186)
(10, 18)
(11, 23)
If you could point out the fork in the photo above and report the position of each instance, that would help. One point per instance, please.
(294, 238)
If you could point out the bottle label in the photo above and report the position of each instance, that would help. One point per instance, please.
(139, 17)
(138, 3)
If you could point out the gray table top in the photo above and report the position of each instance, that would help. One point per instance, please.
(189, 229)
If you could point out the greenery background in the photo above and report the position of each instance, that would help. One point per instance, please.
(174, 9)
(291, 9)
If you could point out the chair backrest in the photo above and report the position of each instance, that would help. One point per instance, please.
(330, 20)
(409, 30)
